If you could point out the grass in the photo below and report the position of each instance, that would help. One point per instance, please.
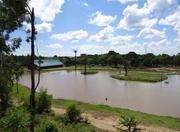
(145, 118)
(89, 72)
(46, 118)
(140, 76)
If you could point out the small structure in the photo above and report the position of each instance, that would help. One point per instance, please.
(46, 62)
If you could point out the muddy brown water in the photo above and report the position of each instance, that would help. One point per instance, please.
(156, 98)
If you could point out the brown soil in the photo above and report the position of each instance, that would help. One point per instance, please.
(108, 122)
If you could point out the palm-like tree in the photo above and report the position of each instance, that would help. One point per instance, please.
(75, 52)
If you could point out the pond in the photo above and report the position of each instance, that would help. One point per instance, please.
(157, 98)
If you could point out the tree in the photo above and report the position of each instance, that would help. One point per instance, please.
(85, 61)
(126, 65)
(128, 124)
(18, 71)
(16, 120)
(6, 83)
(12, 14)
(44, 102)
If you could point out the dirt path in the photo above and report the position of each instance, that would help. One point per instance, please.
(108, 122)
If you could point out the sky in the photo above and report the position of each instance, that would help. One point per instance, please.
(98, 26)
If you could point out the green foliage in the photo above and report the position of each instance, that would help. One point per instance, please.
(16, 120)
(44, 102)
(6, 83)
(78, 127)
(128, 124)
(47, 124)
(89, 72)
(12, 14)
(115, 59)
(72, 115)
(51, 127)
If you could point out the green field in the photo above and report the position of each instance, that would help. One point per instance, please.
(145, 118)
(140, 76)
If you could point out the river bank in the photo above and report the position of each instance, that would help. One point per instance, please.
(146, 119)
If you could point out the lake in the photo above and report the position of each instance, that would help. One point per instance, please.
(156, 98)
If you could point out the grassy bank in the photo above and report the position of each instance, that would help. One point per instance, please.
(89, 72)
(140, 76)
(49, 119)
(145, 118)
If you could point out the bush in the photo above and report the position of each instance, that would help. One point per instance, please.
(47, 124)
(16, 120)
(73, 115)
(128, 124)
(51, 127)
(44, 102)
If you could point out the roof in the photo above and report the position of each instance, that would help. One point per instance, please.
(48, 62)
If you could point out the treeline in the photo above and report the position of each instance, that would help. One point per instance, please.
(115, 59)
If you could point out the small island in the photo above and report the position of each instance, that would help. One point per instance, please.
(89, 72)
(140, 76)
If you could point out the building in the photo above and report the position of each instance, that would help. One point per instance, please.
(48, 63)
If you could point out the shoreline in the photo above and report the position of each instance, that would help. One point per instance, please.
(145, 118)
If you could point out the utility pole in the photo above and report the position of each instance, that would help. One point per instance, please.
(32, 96)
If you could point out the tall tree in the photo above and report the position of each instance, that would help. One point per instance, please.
(12, 14)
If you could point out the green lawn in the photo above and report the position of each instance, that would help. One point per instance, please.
(89, 72)
(145, 118)
(140, 76)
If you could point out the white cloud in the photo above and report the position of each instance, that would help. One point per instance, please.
(152, 34)
(172, 20)
(156, 47)
(101, 20)
(136, 18)
(90, 49)
(161, 6)
(41, 28)
(46, 9)
(44, 27)
(124, 1)
(120, 40)
(70, 36)
(86, 4)
(54, 46)
(102, 35)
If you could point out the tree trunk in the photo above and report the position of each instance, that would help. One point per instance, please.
(75, 63)
(32, 96)
(85, 69)
(126, 70)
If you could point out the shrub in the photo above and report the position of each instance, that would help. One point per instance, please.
(73, 115)
(128, 124)
(51, 126)
(44, 102)
(16, 120)
(47, 124)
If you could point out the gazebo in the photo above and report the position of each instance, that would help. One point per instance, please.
(46, 62)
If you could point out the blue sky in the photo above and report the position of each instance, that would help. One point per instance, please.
(97, 26)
